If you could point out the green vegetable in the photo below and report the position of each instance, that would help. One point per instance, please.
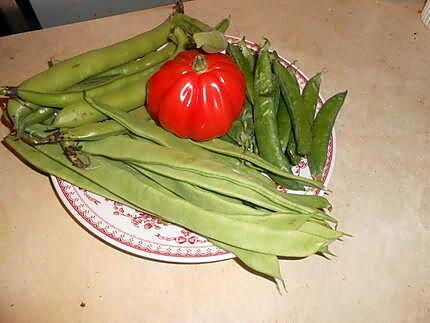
(223, 25)
(265, 123)
(65, 98)
(75, 69)
(310, 96)
(167, 51)
(16, 112)
(235, 52)
(248, 54)
(284, 125)
(210, 41)
(321, 131)
(143, 63)
(291, 93)
(34, 117)
(125, 99)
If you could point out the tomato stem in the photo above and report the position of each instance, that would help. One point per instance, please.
(199, 63)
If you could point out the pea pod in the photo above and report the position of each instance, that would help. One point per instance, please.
(265, 124)
(143, 63)
(99, 130)
(16, 112)
(167, 51)
(65, 98)
(125, 99)
(247, 53)
(235, 52)
(291, 93)
(247, 137)
(34, 117)
(284, 124)
(310, 96)
(75, 69)
(321, 131)
(242, 130)
(92, 82)
(38, 130)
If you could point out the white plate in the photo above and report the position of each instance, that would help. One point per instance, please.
(145, 235)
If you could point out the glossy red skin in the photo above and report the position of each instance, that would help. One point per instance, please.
(197, 105)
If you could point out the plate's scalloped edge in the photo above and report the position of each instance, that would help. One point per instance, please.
(134, 249)
(105, 236)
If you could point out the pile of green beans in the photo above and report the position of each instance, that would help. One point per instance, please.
(280, 121)
(83, 120)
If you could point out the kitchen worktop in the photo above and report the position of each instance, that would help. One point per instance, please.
(53, 270)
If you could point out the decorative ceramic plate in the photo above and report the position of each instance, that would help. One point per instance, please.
(145, 235)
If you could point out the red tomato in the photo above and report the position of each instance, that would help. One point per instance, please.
(197, 95)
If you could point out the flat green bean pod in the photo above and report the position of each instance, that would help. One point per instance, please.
(146, 153)
(200, 197)
(222, 147)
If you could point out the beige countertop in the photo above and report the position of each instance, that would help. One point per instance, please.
(380, 52)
